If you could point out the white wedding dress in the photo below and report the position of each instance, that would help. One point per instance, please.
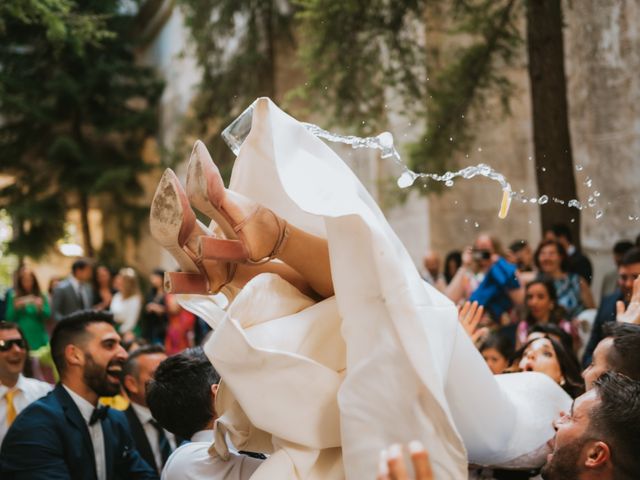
(325, 386)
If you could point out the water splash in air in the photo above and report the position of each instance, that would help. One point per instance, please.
(235, 134)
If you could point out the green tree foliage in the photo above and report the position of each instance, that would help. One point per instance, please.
(374, 45)
(75, 110)
(236, 46)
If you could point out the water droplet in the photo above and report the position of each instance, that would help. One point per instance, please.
(479, 149)
(530, 158)
(596, 194)
(630, 217)
(573, 220)
(386, 140)
(406, 179)
(591, 201)
(451, 139)
(530, 222)
(476, 224)
(575, 204)
(588, 182)
(579, 168)
(544, 169)
(599, 214)
(455, 202)
(449, 183)
(543, 199)
(466, 220)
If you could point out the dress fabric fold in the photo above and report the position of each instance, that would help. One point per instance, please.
(325, 386)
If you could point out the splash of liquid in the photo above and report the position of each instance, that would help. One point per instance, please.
(235, 134)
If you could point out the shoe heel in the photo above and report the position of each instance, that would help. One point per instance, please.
(205, 189)
(186, 282)
(221, 249)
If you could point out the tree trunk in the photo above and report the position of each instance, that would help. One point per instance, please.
(552, 141)
(84, 221)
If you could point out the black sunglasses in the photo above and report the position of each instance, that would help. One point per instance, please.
(5, 345)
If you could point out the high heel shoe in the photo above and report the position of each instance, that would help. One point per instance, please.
(254, 233)
(173, 224)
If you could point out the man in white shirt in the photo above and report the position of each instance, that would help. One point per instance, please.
(152, 441)
(16, 390)
(65, 434)
(181, 396)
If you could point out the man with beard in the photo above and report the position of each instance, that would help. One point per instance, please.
(65, 434)
(599, 437)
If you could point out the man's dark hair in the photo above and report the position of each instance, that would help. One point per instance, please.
(622, 247)
(131, 366)
(179, 396)
(632, 256)
(72, 329)
(624, 356)
(562, 230)
(518, 245)
(80, 264)
(616, 421)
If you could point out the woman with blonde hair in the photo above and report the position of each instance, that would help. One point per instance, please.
(127, 303)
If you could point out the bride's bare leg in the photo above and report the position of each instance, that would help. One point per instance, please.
(244, 273)
(253, 233)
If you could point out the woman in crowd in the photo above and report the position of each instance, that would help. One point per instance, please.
(29, 308)
(548, 356)
(497, 351)
(127, 303)
(180, 332)
(102, 288)
(572, 290)
(542, 308)
(155, 309)
(452, 263)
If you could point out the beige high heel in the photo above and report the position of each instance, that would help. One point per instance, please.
(173, 225)
(254, 233)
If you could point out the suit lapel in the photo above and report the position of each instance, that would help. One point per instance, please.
(109, 439)
(140, 438)
(75, 419)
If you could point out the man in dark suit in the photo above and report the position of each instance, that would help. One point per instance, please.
(74, 293)
(65, 435)
(151, 440)
(628, 271)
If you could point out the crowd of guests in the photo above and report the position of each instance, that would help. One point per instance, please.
(156, 317)
(532, 297)
(135, 396)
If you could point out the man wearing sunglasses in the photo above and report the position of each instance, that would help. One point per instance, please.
(16, 390)
(628, 271)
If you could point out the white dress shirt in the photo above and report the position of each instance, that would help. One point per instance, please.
(95, 432)
(192, 461)
(145, 417)
(27, 390)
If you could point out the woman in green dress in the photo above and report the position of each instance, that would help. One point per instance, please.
(28, 307)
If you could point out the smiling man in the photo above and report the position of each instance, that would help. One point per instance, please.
(65, 435)
(16, 390)
(599, 438)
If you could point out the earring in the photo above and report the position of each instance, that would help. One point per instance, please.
(562, 382)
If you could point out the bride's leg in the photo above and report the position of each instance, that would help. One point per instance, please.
(254, 234)
(244, 273)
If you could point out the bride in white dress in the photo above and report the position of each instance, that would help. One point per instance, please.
(370, 355)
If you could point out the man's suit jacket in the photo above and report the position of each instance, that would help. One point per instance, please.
(65, 299)
(140, 438)
(50, 440)
(606, 313)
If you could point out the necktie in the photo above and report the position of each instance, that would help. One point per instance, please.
(100, 413)
(11, 408)
(163, 442)
(80, 297)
